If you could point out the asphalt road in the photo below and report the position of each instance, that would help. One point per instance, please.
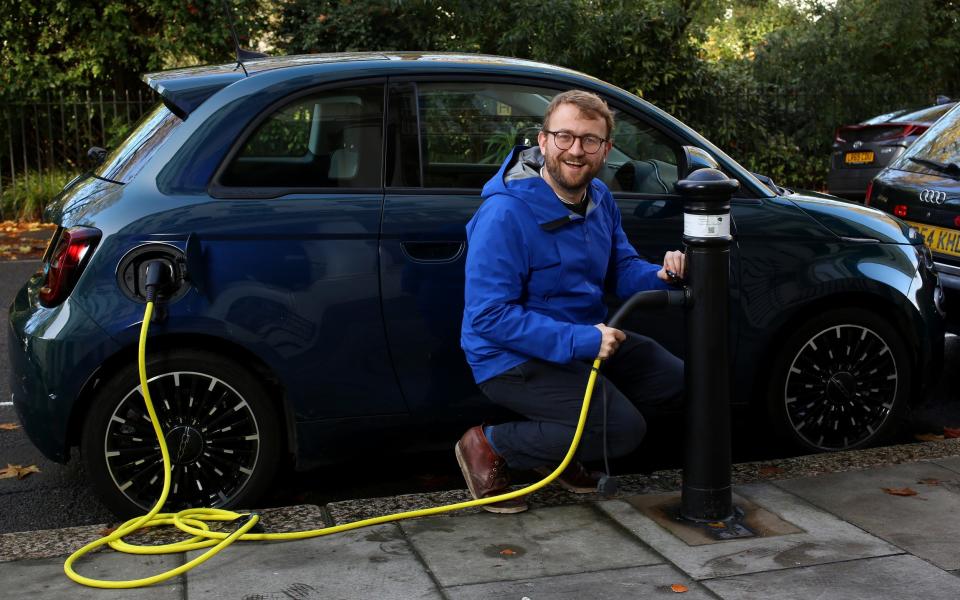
(58, 496)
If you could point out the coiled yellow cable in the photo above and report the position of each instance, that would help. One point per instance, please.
(193, 520)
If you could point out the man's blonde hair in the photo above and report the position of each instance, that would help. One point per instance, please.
(589, 103)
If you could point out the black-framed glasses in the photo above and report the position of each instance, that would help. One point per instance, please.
(590, 143)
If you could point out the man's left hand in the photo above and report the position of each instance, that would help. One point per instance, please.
(674, 261)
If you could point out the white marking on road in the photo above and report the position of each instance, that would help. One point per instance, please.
(112, 454)
(125, 486)
(213, 382)
(252, 437)
(6, 403)
(246, 471)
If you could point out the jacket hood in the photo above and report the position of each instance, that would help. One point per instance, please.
(519, 177)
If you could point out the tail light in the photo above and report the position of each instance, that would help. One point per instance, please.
(866, 199)
(900, 210)
(914, 130)
(66, 262)
(877, 133)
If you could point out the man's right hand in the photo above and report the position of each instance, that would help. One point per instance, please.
(611, 340)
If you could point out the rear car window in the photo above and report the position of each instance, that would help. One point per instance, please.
(126, 160)
(940, 143)
(331, 139)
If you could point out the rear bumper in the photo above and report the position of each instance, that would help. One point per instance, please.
(53, 352)
(851, 183)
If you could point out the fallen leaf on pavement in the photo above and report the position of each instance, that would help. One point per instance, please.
(770, 470)
(508, 552)
(900, 491)
(928, 437)
(18, 471)
(678, 588)
(951, 432)
(929, 481)
(9, 426)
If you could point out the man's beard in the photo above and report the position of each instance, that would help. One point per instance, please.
(555, 169)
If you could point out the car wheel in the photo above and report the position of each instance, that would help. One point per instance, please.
(841, 381)
(221, 431)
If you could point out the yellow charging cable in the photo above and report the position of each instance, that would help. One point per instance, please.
(193, 520)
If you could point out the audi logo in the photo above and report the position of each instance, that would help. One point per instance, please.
(933, 196)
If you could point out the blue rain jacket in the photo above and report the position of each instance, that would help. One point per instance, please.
(536, 271)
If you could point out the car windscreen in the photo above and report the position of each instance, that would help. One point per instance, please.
(940, 143)
(125, 161)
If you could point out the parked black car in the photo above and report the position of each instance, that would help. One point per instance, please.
(922, 187)
(861, 151)
(313, 208)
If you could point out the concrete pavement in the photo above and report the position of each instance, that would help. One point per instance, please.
(836, 535)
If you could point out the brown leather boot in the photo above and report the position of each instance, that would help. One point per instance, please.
(485, 471)
(575, 478)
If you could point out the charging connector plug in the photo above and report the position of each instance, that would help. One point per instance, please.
(159, 275)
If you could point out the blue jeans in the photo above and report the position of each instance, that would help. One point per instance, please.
(550, 395)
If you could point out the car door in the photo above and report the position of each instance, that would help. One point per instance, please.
(641, 171)
(445, 140)
(292, 249)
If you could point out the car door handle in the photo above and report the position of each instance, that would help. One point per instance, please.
(433, 252)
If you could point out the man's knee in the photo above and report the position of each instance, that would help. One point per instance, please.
(625, 435)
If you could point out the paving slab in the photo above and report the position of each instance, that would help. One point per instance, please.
(616, 584)
(887, 578)
(952, 463)
(824, 538)
(927, 524)
(561, 540)
(44, 578)
(374, 562)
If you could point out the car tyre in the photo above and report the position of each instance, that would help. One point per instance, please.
(841, 381)
(221, 429)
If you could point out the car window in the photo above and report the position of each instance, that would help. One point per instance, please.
(940, 143)
(331, 139)
(643, 159)
(126, 160)
(468, 129)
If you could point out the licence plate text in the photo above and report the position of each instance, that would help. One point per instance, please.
(938, 239)
(858, 158)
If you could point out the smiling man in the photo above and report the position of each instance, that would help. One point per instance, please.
(542, 248)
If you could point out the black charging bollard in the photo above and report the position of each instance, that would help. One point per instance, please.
(706, 494)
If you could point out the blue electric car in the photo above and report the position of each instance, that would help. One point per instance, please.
(312, 212)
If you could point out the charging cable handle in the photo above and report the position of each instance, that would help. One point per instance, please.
(649, 299)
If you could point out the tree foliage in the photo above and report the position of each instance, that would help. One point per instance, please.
(767, 80)
(646, 46)
(70, 46)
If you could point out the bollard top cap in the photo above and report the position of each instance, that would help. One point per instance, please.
(707, 182)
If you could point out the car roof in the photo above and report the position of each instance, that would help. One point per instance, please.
(184, 89)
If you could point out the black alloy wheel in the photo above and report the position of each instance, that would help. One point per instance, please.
(841, 381)
(221, 432)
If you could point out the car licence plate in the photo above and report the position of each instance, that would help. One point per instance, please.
(858, 158)
(938, 239)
